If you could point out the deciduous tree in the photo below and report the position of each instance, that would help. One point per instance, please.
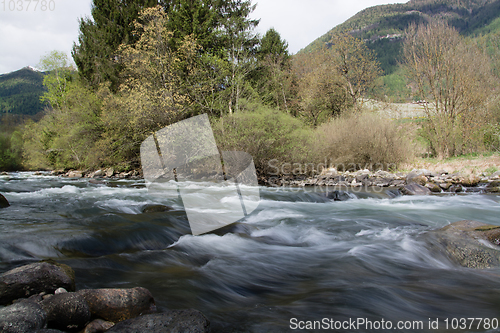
(455, 78)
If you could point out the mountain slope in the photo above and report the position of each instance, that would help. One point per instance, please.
(382, 27)
(20, 92)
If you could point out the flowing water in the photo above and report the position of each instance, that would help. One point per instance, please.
(298, 258)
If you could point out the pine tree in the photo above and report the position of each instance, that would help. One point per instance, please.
(111, 25)
(240, 41)
(273, 74)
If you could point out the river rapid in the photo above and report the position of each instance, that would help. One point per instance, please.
(298, 258)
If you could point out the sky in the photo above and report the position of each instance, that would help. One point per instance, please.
(30, 29)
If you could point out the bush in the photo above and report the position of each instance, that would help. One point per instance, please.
(363, 141)
(273, 138)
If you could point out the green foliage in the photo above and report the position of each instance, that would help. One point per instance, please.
(111, 25)
(395, 87)
(20, 92)
(271, 137)
(10, 150)
(272, 77)
(59, 75)
(66, 137)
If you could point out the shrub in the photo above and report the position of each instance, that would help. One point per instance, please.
(273, 138)
(365, 140)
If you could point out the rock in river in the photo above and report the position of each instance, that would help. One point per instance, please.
(415, 189)
(66, 311)
(118, 304)
(469, 243)
(22, 317)
(32, 279)
(3, 202)
(186, 321)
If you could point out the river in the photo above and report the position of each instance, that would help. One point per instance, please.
(298, 258)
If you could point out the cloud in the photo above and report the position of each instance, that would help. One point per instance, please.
(28, 34)
(300, 22)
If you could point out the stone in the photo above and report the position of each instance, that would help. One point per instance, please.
(186, 321)
(417, 177)
(456, 188)
(60, 291)
(32, 279)
(470, 181)
(118, 304)
(155, 209)
(98, 173)
(445, 186)
(338, 195)
(3, 202)
(415, 189)
(98, 326)
(22, 317)
(433, 187)
(468, 243)
(67, 311)
(110, 172)
(74, 174)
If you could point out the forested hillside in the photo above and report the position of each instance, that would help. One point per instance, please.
(20, 92)
(382, 27)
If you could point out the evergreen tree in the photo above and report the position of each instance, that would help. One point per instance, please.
(273, 75)
(240, 41)
(196, 18)
(110, 26)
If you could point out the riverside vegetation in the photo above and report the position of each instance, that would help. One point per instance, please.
(163, 63)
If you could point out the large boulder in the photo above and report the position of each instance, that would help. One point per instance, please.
(66, 311)
(3, 202)
(32, 279)
(185, 321)
(22, 317)
(469, 243)
(118, 304)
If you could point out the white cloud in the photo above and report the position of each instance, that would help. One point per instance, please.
(28, 34)
(300, 22)
(25, 36)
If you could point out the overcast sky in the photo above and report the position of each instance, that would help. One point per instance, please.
(28, 33)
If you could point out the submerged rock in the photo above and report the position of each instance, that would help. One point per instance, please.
(118, 304)
(35, 278)
(66, 311)
(155, 209)
(3, 202)
(469, 243)
(186, 321)
(22, 317)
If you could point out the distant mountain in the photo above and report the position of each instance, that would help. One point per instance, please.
(382, 27)
(20, 92)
